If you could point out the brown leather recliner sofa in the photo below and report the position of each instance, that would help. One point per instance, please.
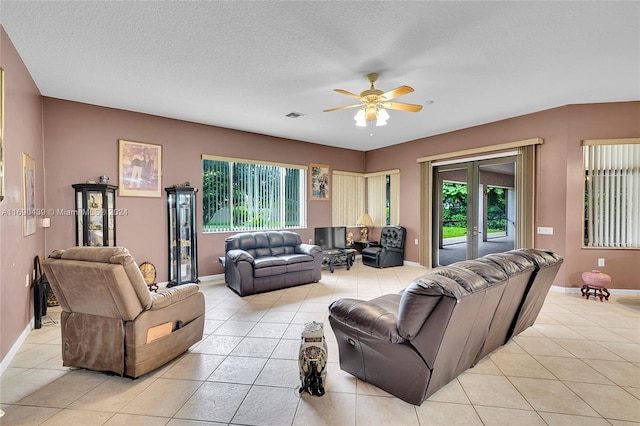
(256, 262)
(110, 321)
(413, 343)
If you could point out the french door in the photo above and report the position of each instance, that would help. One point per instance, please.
(474, 209)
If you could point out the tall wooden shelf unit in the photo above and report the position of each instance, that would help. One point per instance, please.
(95, 214)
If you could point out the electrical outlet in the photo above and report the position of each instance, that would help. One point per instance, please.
(601, 261)
(415, 241)
(27, 282)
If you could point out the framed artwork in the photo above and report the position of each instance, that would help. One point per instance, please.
(139, 169)
(319, 181)
(1, 134)
(28, 194)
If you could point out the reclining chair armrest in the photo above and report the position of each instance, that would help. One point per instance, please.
(368, 318)
(237, 255)
(172, 295)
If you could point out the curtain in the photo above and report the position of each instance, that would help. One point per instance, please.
(348, 198)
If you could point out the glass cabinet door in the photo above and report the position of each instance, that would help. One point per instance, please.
(95, 214)
(182, 236)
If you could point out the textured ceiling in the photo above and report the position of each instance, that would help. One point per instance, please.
(245, 65)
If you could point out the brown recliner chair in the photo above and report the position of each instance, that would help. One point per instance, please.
(110, 321)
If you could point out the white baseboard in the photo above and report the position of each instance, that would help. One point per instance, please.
(16, 346)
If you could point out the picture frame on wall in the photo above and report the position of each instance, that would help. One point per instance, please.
(28, 194)
(319, 181)
(139, 169)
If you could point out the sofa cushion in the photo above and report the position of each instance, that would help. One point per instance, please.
(296, 258)
(469, 280)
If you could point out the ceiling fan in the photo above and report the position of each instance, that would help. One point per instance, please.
(374, 103)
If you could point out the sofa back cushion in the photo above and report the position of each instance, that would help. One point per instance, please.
(260, 244)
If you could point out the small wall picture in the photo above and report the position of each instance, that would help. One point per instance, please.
(139, 169)
(28, 194)
(319, 181)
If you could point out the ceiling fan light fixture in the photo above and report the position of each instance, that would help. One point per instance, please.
(360, 118)
(383, 116)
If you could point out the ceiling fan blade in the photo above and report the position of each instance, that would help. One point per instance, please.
(345, 92)
(398, 91)
(342, 107)
(402, 107)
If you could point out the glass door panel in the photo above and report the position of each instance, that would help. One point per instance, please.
(474, 209)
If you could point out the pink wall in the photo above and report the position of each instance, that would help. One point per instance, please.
(81, 143)
(22, 133)
(559, 186)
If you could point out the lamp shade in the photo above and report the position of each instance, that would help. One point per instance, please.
(365, 220)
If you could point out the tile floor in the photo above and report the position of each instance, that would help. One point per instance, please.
(579, 364)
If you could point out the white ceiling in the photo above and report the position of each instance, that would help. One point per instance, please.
(245, 65)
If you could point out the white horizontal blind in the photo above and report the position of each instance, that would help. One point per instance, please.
(348, 198)
(612, 209)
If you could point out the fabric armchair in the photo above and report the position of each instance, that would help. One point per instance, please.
(390, 251)
(110, 321)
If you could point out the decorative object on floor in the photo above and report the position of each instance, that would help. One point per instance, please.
(390, 251)
(149, 274)
(365, 222)
(374, 103)
(107, 311)
(40, 286)
(312, 360)
(140, 169)
(597, 282)
(319, 181)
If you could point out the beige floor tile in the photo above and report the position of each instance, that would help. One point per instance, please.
(627, 351)
(496, 416)
(136, 420)
(451, 392)
(280, 373)
(218, 345)
(273, 315)
(18, 386)
(255, 347)
(571, 369)
(214, 402)
(555, 419)
(287, 349)
(557, 331)
(588, 350)
(77, 417)
(444, 414)
(269, 330)
(268, 406)
(194, 366)
(551, 396)
(163, 398)
(235, 328)
(598, 334)
(27, 415)
(520, 365)
(338, 380)
(494, 391)
(112, 395)
(541, 346)
(381, 411)
(36, 356)
(611, 402)
(331, 409)
(238, 369)
(65, 390)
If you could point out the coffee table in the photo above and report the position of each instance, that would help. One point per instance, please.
(338, 257)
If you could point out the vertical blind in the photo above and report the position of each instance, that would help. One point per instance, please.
(384, 202)
(348, 198)
(612, 194)
(244, 195)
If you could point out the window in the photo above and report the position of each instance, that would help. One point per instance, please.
(242, 195)
(612, 193)
(348, 198)
(383, 197)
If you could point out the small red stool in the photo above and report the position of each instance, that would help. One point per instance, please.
(597, 282)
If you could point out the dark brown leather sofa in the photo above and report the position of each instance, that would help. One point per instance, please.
(413, 343)
(256, 262)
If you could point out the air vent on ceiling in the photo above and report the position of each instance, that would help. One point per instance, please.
(295, 114)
